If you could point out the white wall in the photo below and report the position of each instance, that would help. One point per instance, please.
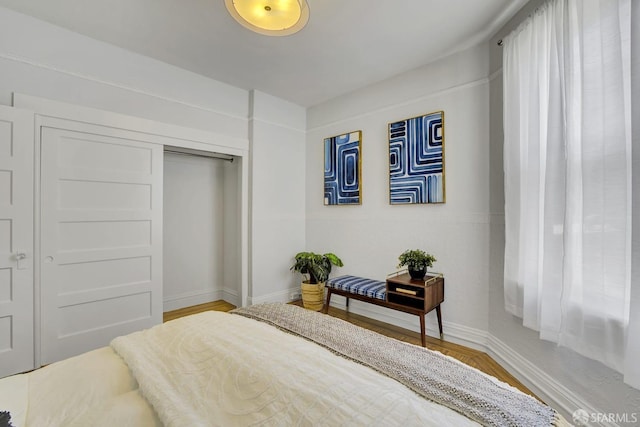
(37, 58)
(587, 384)
(369, 238)
(232, 233)
(277, 215)
(634, 317)
(40, 59)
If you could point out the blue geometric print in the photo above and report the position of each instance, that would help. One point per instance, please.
(416, 167)
(342, 169)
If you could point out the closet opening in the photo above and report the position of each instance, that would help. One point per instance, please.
(201, 228)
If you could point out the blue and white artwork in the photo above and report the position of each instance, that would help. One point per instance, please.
(416, 160)
(342, 169)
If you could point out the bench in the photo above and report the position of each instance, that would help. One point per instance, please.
(399, 292)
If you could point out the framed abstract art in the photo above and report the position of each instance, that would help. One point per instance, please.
(416, 160)
(342, 169)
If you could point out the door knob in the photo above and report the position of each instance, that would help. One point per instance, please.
(21, 264)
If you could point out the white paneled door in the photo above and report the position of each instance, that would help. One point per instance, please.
(101, 231)
(16, 241)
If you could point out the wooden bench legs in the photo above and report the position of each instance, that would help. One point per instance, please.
(439, 314)
(325, 309)
(419, 313)
(423, 332)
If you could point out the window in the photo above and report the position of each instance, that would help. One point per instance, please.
(568, 177)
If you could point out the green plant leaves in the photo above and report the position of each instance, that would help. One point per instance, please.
(317, 266)
(417, 259)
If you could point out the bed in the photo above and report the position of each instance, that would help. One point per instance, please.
(267, 365)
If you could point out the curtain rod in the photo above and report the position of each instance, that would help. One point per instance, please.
(208, 156)
(500, 42)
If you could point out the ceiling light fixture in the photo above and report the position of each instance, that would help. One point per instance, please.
(270, 17)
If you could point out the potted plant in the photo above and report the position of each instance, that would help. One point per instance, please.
(417, 262)
(315, 269)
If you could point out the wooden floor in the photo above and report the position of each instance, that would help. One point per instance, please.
(475, 358)
(215, 306)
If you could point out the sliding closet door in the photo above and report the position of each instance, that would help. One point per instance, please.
(101, 229)
(16, 241)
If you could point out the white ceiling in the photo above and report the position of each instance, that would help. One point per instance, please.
(347, 44)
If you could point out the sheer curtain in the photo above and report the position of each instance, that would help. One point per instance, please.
(568, 170)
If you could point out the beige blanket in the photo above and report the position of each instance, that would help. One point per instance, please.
(431, 374)
(218, 369)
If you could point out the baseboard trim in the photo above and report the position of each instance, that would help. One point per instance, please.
(280, 296)
(231, 296)
(548, 389)
(188, 299)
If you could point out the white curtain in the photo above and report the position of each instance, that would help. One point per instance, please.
(568, 172)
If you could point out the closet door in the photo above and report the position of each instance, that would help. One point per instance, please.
(16, 241)
(101, 230)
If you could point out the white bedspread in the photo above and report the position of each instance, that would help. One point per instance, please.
(218, 369)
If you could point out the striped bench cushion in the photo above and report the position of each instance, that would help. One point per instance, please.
(359, 285)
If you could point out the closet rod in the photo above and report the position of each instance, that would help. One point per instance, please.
(208, 156)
